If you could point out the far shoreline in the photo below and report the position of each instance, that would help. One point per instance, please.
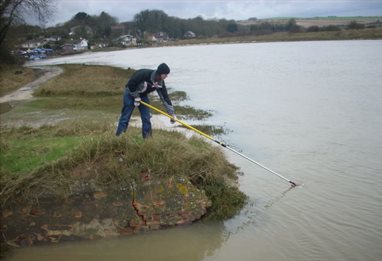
(280, 37)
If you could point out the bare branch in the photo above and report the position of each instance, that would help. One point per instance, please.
(17, 10)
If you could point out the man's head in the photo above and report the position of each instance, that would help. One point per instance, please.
(163, 70)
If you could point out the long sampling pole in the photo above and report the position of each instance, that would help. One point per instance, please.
(218, 142)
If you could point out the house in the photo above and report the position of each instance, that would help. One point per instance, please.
(52, 39)
(32, 44)
(99, 45)
(160, 37)
(67, 48)
(81, 46)
(189, 34)
(126, 40)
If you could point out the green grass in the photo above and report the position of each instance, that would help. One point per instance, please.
(46, 160)
(35, 161)
(26, 149)
(108, 103)
(79, 146)
(23, 155)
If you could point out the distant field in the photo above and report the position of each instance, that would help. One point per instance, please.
(370, 33)
(336, 21)
(318, 21)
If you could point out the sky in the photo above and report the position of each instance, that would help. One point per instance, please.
(124, 10)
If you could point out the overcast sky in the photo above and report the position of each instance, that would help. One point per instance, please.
(124, 10)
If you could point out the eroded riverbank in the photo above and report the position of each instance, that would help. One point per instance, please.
(75, 180)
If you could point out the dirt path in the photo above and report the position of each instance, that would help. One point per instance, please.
(26, 91)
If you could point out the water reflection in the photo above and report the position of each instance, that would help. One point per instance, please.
(193, 242)
(279, 197)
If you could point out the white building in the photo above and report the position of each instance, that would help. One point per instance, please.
(126, 40)
(189, 34)
(81, 46)
(32, 44)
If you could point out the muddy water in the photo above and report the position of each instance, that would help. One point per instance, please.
(309, 110)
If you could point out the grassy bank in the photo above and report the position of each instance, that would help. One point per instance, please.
(53, 163)
(63, 139)
(13, 77)
(86, 81)
(77, 112)
(86, 87)
(45, 161)
(87, 93)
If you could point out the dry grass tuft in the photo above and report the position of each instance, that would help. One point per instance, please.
(13, 77)
(86, 80)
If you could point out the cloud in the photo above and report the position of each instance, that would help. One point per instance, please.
(208, 9)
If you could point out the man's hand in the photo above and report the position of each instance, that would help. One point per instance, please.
(173, 120)
(137, 101)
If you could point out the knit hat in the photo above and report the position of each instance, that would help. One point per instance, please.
(163, 69)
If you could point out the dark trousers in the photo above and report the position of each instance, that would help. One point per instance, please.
(127, 111)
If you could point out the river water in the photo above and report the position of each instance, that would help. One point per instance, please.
(311, 111)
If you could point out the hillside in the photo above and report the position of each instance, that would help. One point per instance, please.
(317, 21)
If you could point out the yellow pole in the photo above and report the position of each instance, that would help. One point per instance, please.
(220, 143)
(181, 122)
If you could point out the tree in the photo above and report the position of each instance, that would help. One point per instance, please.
(151, 21)
(14, 11)
(81, 17)
(313, 28)
(331, 27)
(263, 28)
(232, 27)
(104, 23)
(292, 26)
(354, 25)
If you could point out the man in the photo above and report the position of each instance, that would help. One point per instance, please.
(141, 83)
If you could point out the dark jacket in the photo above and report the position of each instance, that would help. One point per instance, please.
(137, 87)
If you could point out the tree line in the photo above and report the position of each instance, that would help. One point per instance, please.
(100, 27)
(153, 21)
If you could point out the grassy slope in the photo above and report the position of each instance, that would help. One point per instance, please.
(88, 93)
(45, 160)
(89, 98)
(13, 77)
(84, 80)
(85, 87)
